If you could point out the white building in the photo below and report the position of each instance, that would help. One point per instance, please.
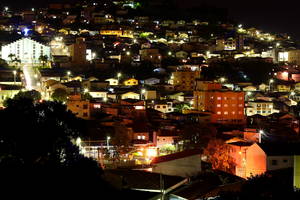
(25, 49)
(260, 107)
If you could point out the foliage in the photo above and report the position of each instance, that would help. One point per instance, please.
(32, 94)
(218, 154)
(196, 135)
(59, 95)
(38, 151)
(86, 96)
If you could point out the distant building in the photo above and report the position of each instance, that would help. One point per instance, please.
(226, 106)
(78, 51)
(78, 106)
(185, 80)
(25, 49)
(260, 107)
(131, 82)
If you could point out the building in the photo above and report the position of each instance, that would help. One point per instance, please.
(164, 107)
(130, 95)
(184, 80)
(294, 57)
(78, 106)
(225, 105)
(259, 158)
(131, 82)
(26, 50)
(78, 51)
(260, 107)
(8, 91)
(113, 81)
(185, 164)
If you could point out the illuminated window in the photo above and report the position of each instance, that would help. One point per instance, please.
(240, 105)
(219, 98)
(233, 105)
(143, 137)
(240, 98)
(240, 112)
(219, 105)
(219, 113)
(233, 98)
(225, 113)
(225, 105)
(139, 137)
(233, 112)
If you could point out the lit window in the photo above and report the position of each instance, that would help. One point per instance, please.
(233, 112)
(139, 137)
(219, 113)
(225, 105)
(225, 113)
(219, 98)
(218, 105)
(240, 113)
(143, 137)
(240, 98)
(240, 105)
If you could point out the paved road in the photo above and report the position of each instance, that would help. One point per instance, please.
(32, 78)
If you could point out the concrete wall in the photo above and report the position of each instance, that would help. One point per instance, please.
(184, 167)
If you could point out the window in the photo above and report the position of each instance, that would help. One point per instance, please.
(225, 113)
(85, 114)
(157, 106)
(218, 105)
(219, 98)
(233, 112)
(258, 112)
(285, 160)
(143, 137)
(240, 105)
(85, 106)
(240, 98)
(225, 105)
(164, 106)
(219, 113)
(274, 162)
(139, 137)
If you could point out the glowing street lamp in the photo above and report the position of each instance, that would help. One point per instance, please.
(69, 74)
(15, 73)
(270, 82)
(86, 90)
(261, 132)
(128, 53)
(222, 79)
(107, 141)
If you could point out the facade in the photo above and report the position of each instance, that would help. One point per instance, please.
(8, 91)
(113, 81)
(226, 106)
(78, 51)
(294, 57)
(185, 164)
(81, 108)
(260, 107)
(27, 50)
(130, 95)
(185, 80)
(131, 82)
(164, 107)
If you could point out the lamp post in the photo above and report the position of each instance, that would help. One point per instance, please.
(15, 73)
(143, 91)
(69, 74)
(119, 76)
(270, 82)
(107, 142)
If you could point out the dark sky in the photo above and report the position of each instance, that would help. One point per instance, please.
(271, 15)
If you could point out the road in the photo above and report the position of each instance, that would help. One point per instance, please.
(32, 78)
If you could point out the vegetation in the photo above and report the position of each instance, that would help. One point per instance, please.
(59, 95)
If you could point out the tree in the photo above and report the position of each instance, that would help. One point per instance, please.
(38, 152)
(197, 135)
(32, 94)
(43, 59)
(218, 154)
(59, 95)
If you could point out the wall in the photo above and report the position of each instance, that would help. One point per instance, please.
(183, 167)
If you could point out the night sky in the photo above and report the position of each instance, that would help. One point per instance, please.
(270, 15)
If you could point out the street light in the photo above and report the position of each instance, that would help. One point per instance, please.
(270, 82)
(15, 73)
(86, 90)
(222, 79)
(143, 91)
(107, 141)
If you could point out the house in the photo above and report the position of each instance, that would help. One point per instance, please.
(151, 81)
(130, 95)
(185, 164)
(99, 94)
(259, 158)
(260, 107)
(164, 107)
(78, 106)
(181, 54)
(131, 82)
(113, 81)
